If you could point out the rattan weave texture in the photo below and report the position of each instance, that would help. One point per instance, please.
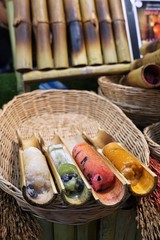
(152, 135)
(62, 112)
(140, 105)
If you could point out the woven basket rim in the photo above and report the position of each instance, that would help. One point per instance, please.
(147, 133)
(38, 97)
(103, 79)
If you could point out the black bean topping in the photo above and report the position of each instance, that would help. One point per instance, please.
(99, 178)
(65, 177)
(80, 184)
(77, 154)
(31, 191)
(84, 161)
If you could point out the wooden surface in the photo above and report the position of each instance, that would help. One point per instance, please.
(120, 225)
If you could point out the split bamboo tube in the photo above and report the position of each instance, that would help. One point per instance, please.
(23, 38)
(75, 33)
(42, 34)
(59, 33)
(121, 41)
(91, 30)
(106, 32)
(116, 10)
(147, 76)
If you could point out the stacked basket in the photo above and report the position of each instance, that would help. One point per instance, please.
(139, 104)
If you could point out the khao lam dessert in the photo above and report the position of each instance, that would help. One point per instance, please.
(141, 178)
(37, 184)
(93, 167)
(124, 161)
(70, 181)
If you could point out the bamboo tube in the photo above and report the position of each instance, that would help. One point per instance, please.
(136, 64)
(116, 10)
(89, 71)
(60, 51)
(103, 11)
(121, 41)
(42, 34)
(77, 45)
(23, 61)
(59, 33)
(39, 11)
(72, 10)
(21, 11)
(56, 11)
(92, 42)
(148, 47)
(107, 43)
(91, 30)
(147, 76)
(153, 57)
(106, 33)
(61, 230)
(88, 11)
(43, 47)
(22, 25)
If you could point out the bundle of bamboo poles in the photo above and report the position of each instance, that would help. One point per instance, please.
(69, 33)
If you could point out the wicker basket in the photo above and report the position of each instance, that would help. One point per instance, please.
(57, 111)
(140, 105)
(152, 135)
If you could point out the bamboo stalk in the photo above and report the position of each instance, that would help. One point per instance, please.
(56, 11)
(60, 51)
(147, 76)
(116, 10)
(108, 226)
(88, 11)
(88, 71)
(107, 43)
(92, 41)
(39, 11)
(43, 47)
(77, 45)
(121, 41)
(82, 232)
(136, 63)
(103, 11)
(61, 230)
(93, 230)
(21, 11)
(72, 10)
(91, 31)
(22, 26)
(153, 57)
(42, 34)
(149, 47)
(23, 60)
